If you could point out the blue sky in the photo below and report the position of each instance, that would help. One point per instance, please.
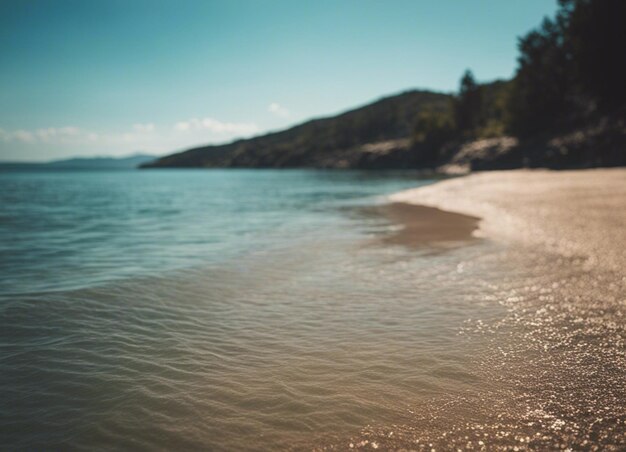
(112, 77)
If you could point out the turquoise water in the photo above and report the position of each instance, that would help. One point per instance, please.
(219, 310)
(72, 229)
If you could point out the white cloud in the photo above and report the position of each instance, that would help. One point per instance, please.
(144, 128)
(197, 130)
(215, 126)
(71, 135)
(24, 136)
(278, 110)
(49, 134)
(147, 137)
(182, 126)
(69, 131)
(45, 135)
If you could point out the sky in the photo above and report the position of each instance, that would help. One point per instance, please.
(115, 77)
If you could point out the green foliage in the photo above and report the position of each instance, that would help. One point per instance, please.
(316, 142)
(494, 110)
(539, 96)
(468, 106)
(480, 110)
(595, 34)
(570, 67)
(432, 127)
(432, 130)
(432, 124)
(491, 129)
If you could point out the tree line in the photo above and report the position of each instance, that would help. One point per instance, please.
(571, 69)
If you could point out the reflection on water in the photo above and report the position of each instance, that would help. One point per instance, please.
(74, 229)
(550, 371)
(212, 308)
(254, 311)
(281, 348)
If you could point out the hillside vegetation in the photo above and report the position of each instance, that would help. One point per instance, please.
(328, 142)
(564, 108)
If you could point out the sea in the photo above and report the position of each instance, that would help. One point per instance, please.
(221, 310)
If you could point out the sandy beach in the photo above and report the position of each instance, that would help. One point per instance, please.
(575, 213)
(421, 226)
(553, 370)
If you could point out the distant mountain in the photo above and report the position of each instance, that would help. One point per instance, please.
(373, 136)
(132, 161)
(129, 162)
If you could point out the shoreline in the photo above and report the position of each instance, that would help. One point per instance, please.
(573, 213)
(550, 374)
(425, 227)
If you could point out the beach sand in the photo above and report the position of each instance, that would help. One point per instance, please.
(575, 213)
(551, 374)
(427, 227)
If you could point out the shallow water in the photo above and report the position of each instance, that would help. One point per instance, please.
(221, 310)
(72, 229)
(162, 316)
(551, 370)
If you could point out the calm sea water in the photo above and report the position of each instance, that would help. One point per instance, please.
(225, 310)
(72, 229)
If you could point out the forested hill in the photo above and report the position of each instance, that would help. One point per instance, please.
(375, 135)
(565, 107)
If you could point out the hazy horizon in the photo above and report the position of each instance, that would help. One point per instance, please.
(109, 78)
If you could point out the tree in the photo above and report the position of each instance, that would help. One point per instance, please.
(539, 96)
(596, 33)
(570, 68)
(432, 131)
(468, 105)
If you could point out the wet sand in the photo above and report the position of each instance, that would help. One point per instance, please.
(552, 372)
(427, 227)
(575, 213)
